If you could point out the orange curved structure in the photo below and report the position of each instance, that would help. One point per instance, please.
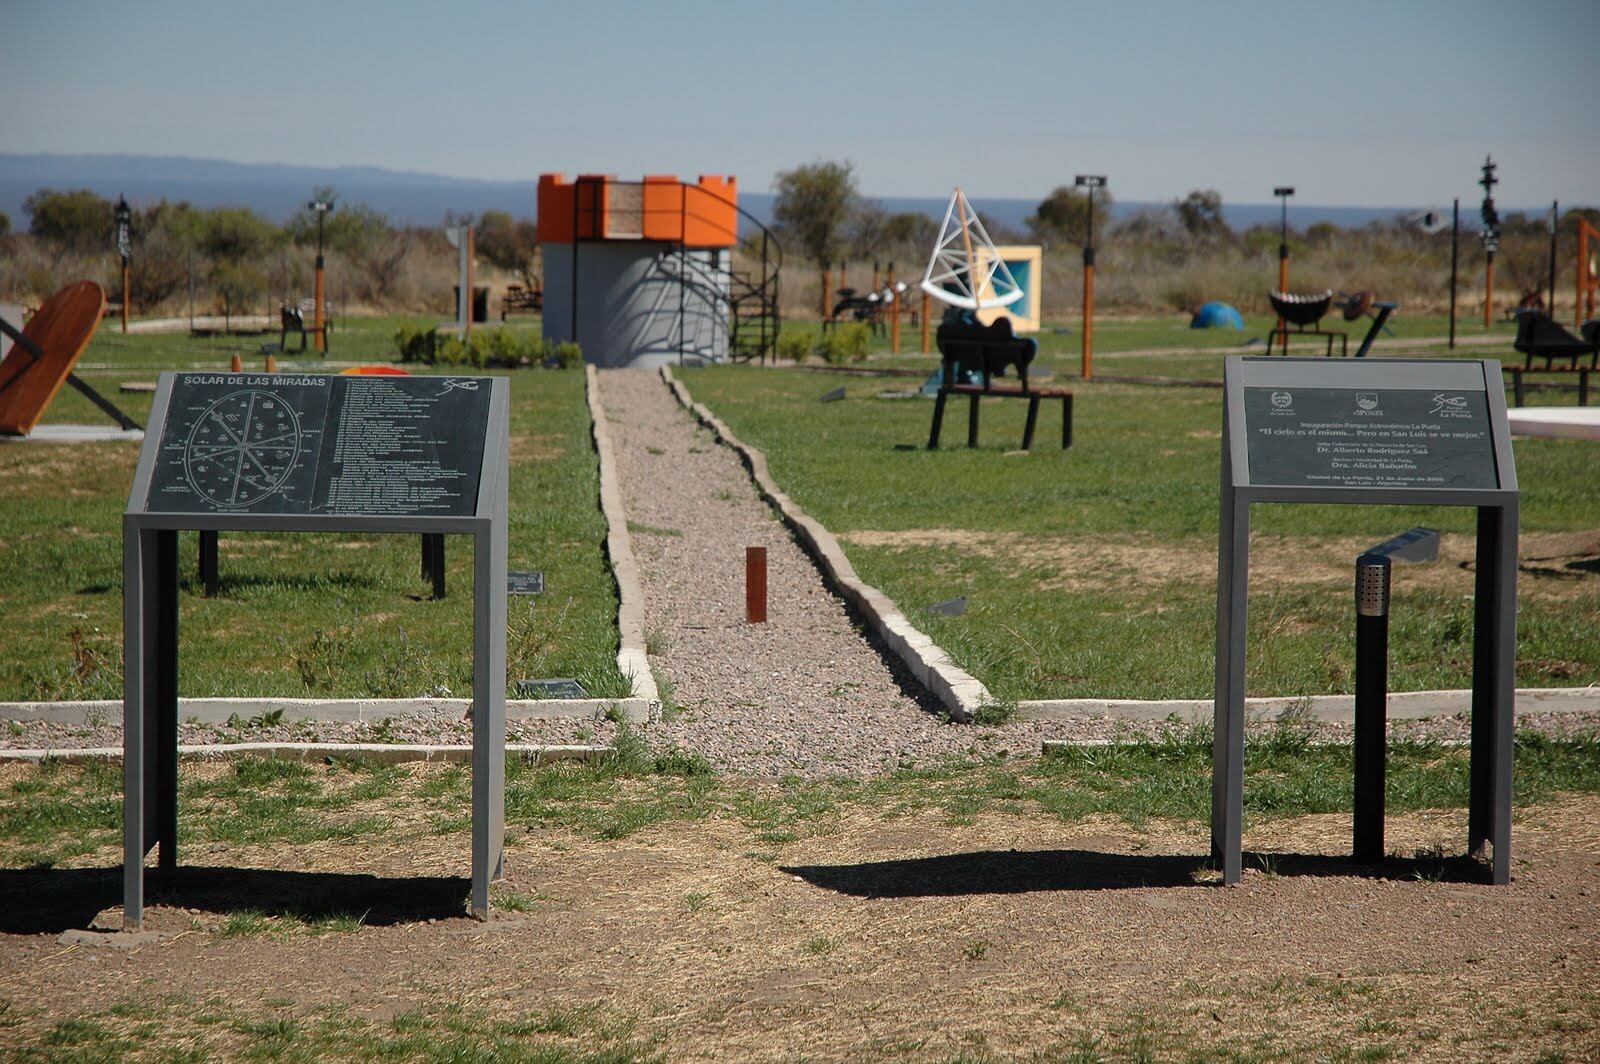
(660, 207)
(61, 329)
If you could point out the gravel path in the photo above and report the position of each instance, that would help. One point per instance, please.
(804, 694)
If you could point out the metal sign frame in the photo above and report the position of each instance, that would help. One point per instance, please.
(1495, 598)
(150, 645)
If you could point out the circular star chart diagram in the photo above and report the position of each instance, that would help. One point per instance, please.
(242, 448)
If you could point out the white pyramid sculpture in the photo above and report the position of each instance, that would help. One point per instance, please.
(965, 259)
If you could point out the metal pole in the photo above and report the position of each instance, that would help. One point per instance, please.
(125, 288)
(1555, 213)
(320, 289)
(1371, 709)
(894, 314)
(1455, 260)
(1088, 295)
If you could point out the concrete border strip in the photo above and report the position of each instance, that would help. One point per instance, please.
(387, 753)
(351, 710)
(961, 693)
(632, 659)
(1402, 705)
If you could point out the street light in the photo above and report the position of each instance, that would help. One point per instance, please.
(1283, 192)
(320, 208)
(124, 220)
(1090, 182)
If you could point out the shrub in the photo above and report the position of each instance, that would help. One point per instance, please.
(845, 343)
(416, 344)
(795, 346)
(567, 355)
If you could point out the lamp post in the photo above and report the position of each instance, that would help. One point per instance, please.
(1091, 182)
(124, 219)
(320, 208)
(1490, 237)
(1283, 192)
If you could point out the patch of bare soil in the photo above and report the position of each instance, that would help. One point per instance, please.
(875, 936)
(1551, 563)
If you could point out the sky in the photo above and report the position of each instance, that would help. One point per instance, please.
(1353, 103)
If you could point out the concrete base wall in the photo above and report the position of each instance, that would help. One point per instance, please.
(636, 303)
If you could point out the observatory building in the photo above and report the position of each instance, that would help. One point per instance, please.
(639, 273)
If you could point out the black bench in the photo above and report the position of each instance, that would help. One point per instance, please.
(1541, 336)
(520, 298)
(293, 319)
(986, 352)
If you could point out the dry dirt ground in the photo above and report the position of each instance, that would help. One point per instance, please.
(878, 937)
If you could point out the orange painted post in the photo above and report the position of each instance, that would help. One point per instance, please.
(472, 296)
(1488, 290)
(1283, 192)
(755, 585)
(894, 314)
(237, 364)
(925, 305)
(1587, 281)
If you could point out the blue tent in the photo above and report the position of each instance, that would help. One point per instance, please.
(1216, 316)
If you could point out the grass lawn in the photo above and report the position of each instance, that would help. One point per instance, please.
(1092, 572)
(673, 913)
(306, 614)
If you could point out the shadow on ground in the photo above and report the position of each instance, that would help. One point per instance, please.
(52, 900)
(1023, 871)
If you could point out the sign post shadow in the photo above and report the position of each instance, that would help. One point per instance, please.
(1391, 432)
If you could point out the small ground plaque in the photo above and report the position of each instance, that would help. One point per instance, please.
(524, 582)
(559, 688)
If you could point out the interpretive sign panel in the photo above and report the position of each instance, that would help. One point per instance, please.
(1418, 425)
(308, 453)
(1370, 431)
(318, 444)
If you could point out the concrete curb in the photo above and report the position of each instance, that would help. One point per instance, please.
(632, 659)
(218, 710)
(1338, 709)
(387, 753)
(957, 690)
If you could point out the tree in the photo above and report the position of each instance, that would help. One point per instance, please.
(508, 243)
(79, 221)
(1063, 216)
(5, 224)
(1201, 213)
(815, 205)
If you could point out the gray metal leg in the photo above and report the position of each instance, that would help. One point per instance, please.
(488, 713)
(1033, 419)
(972, 420)
(1227, 750)
(938, 419)
(210, 577)
(433, 562)
(1494, 687)
(150, 708)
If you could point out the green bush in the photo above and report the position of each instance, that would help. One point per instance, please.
(845, 343)
(795, 346)
(502, 348)
(416, 344)
(567, 355)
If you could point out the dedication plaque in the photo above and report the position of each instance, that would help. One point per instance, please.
(315, 444)
(1401, 425)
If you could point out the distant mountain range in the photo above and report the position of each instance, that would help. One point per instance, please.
(278, 190)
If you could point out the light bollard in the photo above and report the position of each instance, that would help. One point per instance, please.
(1372, 696)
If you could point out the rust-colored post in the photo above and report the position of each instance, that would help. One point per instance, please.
(825, 287)
(125, 295)
(877, 275)
(1488, 290)
(894, 314)
(925, 306)
(1581, 276)
(272, 363)
(319, 295)
(237, 364)
(1283, 286)
(1088, 319)
(755, 585)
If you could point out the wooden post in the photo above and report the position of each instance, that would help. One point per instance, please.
(471, 295)
(272, 363)
(237, 364)
(825, 279)
(319, 293)
(925, 306)
(755, 585)
(1283, 286)
(1488, 289)
(894, 314)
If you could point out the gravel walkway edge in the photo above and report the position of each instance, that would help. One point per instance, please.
(961, 693)
(633, 660)
(387, 753)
